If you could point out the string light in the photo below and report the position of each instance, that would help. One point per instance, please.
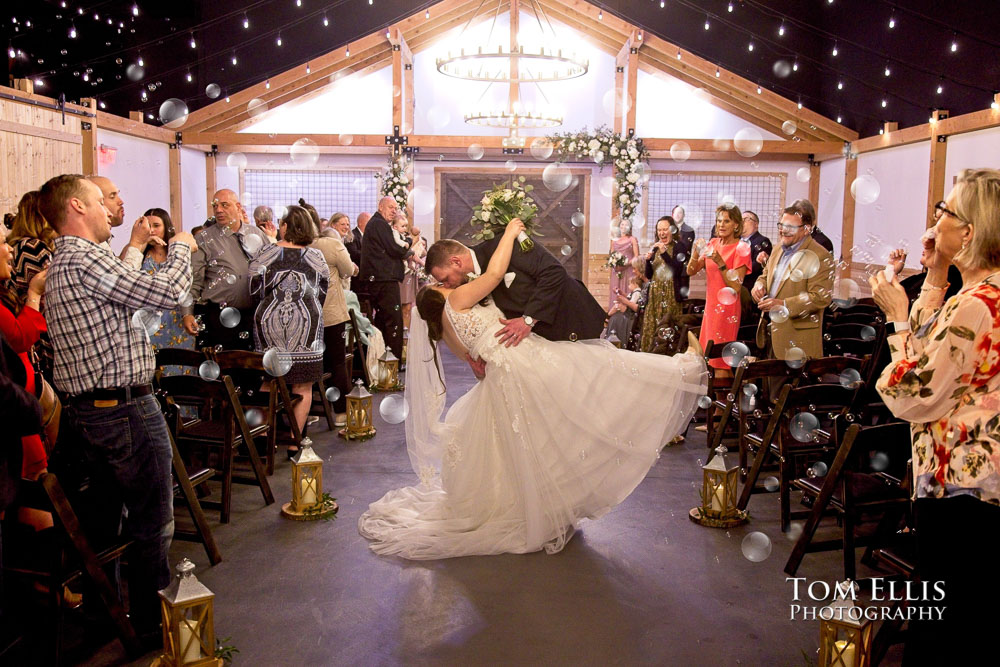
(750, 46)
(994, 104)
(227, 99)
(39, 83)
(954, 46)
(348, 50)
(662, 4)
(246, 22)
(717, 72)
(839, 119)
(135, 9)
(279, 39)
(193, 43)
(234, 58)
(267, 84)
(189, 78)
(881, 130)
(706, 23)
(730, 7)
(326, 21)
(758, 89)
(427, 14)
(840, 85)
(940, 89)
(308, 69)
(884, 103)
(795, 65)
(11, 52)
(887, 70)
(298, 3)
(781, 29)
(72, 31)
(800, 104)
(678, 53)
(86, 77)
(834, 48)
(140, 62)
(103, 105)
(600, 14)
(892, 21)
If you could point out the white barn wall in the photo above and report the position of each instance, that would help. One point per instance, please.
(194, 203)
(830, 207)
(898, 216)
(969, 151)
(142, 173)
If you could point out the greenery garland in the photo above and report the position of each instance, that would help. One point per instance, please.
(394, 180)
(627, 154)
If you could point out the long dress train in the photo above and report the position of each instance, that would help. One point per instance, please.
(536, 446)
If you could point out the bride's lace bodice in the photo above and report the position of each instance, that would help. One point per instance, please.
(470, 325)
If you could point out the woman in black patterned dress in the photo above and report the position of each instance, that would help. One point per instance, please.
(31, 240)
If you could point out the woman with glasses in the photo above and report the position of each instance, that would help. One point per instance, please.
(944, 378)
(726, 261)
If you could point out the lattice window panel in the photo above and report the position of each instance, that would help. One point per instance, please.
(701, 192)
(349, 191)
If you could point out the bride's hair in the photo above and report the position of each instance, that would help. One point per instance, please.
(430, 307)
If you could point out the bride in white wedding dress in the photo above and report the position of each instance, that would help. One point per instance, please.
(555, 433)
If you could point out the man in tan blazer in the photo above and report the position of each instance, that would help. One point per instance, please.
(795, 287)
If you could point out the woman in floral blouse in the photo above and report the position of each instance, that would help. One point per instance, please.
(944, 378)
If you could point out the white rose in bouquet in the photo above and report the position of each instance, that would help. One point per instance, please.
(622, 198)
(614, 151)
(485, 215)
(594, 144)
(632, 177)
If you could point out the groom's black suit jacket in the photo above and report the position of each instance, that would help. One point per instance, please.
(563, 306)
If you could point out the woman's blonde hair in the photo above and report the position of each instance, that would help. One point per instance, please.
(30, 223)
(977, 202)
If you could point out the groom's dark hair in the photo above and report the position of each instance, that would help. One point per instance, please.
(440, 251)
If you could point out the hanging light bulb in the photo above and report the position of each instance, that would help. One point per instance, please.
(279, 39)
(662, 4)
(267, 84)
(795, 65)
(72, 31)
(940, 89)
(881, 130)
(193, 43)
(102, 105)
(750, 46)
(308, 69)
(954, 46)
(678, 53)
(234, 58)
(600, 14)
(892, 21)
(707, 26)
(993, 103)
(887, 70)
(348, 50)
(834, 48)
(142, 96)
(730, 8)
(717, 72)
(189, 77)
(326, 21)
(840, 85)
(140, 62)
(427, 14)
(884, 104)
(298, 3)
(758, 89)
(246, 22)
(227, 99)
(839, 119)
(781, 29)
(135, 9)
(11, 52)
(800, 104)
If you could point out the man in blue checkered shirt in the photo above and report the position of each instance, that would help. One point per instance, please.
(97, 309)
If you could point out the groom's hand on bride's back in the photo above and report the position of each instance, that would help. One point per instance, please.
(478, 367)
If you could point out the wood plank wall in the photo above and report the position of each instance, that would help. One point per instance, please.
(35, 145)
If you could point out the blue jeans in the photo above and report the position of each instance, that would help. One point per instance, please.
(127, 447)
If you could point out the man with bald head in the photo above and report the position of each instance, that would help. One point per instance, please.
(382, 272)
(133, 253)
(219, 277)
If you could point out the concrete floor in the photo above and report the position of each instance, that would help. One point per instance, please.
(643, 585)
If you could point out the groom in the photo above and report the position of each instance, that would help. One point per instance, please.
(537, 294)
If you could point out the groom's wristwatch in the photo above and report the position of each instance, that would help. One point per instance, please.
(529, 320)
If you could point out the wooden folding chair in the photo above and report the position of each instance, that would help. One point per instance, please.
(47, 494)
(226, 433)
(864, 477)
(788, 451)
(259, 390)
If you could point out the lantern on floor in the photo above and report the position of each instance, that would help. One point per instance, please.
(845, 635)
(188, 625)
(308, 502)
(718, 492)
(406, 339)
(359, 414)
(388, 372)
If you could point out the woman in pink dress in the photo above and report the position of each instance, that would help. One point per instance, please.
(726, 260)
(628, 246)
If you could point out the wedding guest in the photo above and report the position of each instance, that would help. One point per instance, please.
(171, 332)
(684, 242)
(382, 271)
(821, 238)
(341, 225)
(412, 266)
(726, 261)
(793, 299)
(313, 214)
(220, 279)
(760, 248)
(354, 245)
(622, 315)
(944, 379)
(335, 317)
(288, 286)
(662, 269)
(263, 217)
(30, 240)
(110, 405)
(627, 246)
(913, 284)
(132, 253)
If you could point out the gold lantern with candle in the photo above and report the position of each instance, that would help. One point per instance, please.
(308, 502)
(388, 372)
(188, 624)
(359, 414)
(845, 635)
(720, 477)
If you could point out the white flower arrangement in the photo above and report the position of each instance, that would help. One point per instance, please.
(616, 261)
(500, 205)
(395, 181)
(627, 154)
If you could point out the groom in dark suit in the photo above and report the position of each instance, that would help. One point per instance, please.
(537, 294)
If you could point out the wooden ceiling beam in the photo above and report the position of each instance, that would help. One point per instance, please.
(443, 13)
(109, 121)
(909, 135)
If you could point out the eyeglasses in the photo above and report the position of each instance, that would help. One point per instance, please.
(941, 208)
(789, 228)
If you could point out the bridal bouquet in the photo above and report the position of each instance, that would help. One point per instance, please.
(616, 260)
(502, 204)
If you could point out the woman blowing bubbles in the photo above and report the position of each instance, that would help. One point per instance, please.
(944, 379)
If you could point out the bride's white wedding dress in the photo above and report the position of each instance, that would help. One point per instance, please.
(556, 432)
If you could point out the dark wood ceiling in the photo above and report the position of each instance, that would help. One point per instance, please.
(798, 64)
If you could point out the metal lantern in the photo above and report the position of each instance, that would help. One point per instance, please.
(307, 502)
(388, 372)
(359, 414)
(406, 339)
(845, 635)
(188, 625)
(720, 477)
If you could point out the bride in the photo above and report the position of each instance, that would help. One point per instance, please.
(555, 433)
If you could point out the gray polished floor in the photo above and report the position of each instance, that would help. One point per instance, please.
(643, 585)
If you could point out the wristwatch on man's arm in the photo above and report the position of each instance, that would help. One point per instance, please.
(529, 320)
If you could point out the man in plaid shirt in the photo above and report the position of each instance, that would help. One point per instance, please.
(97, 308)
